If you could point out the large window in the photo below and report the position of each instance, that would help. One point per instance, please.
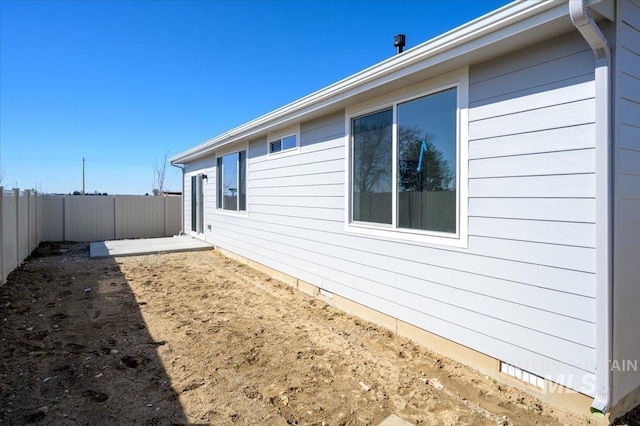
(232, 181)
(404, 165)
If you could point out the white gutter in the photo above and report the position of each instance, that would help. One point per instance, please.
(604, 337)
(456, 42)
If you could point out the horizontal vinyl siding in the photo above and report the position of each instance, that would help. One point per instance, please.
(524, 289)
(186, 200)
(531, 173)
(626, 291)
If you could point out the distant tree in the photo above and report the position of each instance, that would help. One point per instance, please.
(374, 160)
(37, 187)
(159, 175)
(434, 174)
(77, 192)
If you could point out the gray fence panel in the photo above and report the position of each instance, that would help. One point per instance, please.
(26, 219)
(9, 233)
(139, 217)
(33, 221)
(173, 215)
(89, 218)
(23, 226)
(52, 211)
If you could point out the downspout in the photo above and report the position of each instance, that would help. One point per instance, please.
(182, 203)
(604, 313)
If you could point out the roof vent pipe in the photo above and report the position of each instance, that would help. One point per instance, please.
(399, 40)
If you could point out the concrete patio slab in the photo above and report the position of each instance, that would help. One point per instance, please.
(146, 246)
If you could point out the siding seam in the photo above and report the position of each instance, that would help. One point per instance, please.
(431, 264)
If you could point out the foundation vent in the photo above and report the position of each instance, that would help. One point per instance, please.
(326, 293)
(521, 374)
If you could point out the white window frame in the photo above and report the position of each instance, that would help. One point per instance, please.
(220, 154)
(280, 135)
(458, 79)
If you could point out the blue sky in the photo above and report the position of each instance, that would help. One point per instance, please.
(121, 83)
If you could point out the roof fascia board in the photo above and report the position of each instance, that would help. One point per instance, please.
(497, 25)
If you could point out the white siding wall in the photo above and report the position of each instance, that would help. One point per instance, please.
(627, 200)
(524, 290)
(186, 202)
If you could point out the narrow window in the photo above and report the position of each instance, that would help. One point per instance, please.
(242, 180)
(218, 180)
(194, 203)
(231, 191)
(372, 167)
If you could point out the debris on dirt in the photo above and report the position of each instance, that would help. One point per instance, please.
(435, 383)
(365, 387)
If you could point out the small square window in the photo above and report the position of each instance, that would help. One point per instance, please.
(289, 142)
(285, 143)
(276, 146)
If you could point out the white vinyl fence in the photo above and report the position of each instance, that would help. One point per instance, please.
(28, 218)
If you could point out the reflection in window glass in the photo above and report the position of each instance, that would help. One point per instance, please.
(242, 180)
(218, 180)
(372, 167)
(426, 179)
(283, 144)
(289, 142)
(276, 146)
(232, 181)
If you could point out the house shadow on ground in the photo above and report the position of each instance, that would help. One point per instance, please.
(75, 348)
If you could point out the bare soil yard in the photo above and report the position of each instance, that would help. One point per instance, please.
(197, 338)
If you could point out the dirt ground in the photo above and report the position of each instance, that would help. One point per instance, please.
(197, 338)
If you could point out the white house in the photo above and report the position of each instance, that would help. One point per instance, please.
(479, 192)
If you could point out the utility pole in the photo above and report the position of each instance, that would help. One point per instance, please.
(82, 175)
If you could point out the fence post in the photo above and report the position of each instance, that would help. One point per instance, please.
(164, 216)
(115, 218)
(35, 207)
(16, 194)
(27, 195)
(2, 276)
(65, 218)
